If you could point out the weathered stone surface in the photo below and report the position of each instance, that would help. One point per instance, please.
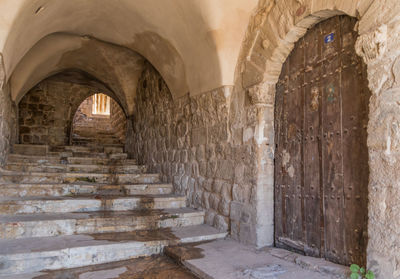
(73, 206)
(54, 224)
(50, 253)
(204, 161)
(229, 259)
(372, 45)
(160, 267)
(7, 124)
(7, 116)
(98, 129)
(48, 112)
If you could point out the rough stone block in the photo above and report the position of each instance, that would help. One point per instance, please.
(217, 186)
(236, 211)
(203, 168)
(221, 223)
(208, 185)
(199, 136)
(247, 233)
(209, 217)
(248, 134)
(214, 200)
(224, 208)
(225, 169)
(200, 153)
(241, 193)
(226, 191)
(218, 133)
(239, 173)
(205, 199)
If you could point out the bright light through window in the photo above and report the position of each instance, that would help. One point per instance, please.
(101, 104)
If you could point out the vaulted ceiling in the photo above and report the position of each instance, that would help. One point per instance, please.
(194, 44)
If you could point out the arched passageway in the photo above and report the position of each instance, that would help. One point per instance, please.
(201, 118)
(46, 113)
(99, 120)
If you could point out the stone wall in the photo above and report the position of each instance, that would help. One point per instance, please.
(378, 44)
(204, 146)
(47, 110)
(7, 118)
(118, 121)
(273, 30)
(7, 124)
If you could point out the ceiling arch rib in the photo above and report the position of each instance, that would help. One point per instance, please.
(78, 77)
(117, 67)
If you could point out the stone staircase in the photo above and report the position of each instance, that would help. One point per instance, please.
(87, 136)
(78, 206)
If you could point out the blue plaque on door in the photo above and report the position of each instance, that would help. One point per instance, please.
(329, 38)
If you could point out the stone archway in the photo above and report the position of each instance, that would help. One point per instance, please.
(271, 38)
(99, 119)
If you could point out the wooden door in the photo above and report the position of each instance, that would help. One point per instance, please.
(321, 162)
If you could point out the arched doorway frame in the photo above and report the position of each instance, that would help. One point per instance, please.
(89, 95)
(259, 79)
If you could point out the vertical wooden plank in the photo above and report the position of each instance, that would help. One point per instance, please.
(288, 155)
(280, 139)
(291, 154)
(312, 195)
(355, 95)
(281, 114)
(332, 143)
(295, 168)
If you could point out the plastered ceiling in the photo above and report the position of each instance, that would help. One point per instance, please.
(194, 44)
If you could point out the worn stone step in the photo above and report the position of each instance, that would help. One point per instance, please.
(27, 255)
(71, 189)
(94, 168)
(153, 267)
(102, 155)
(54, 224)
(103, 140)
(31, 149)
(56, 159)
(96, 150)
(100, 161)
(111, 148)
(69, 177)
(88, 203)
(14, 158)
(84, 154)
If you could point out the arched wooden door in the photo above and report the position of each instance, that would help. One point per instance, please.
(321, 165)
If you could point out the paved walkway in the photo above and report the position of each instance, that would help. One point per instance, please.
(228, 259)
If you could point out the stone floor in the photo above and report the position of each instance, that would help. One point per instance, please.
(228, 259)
(219, 259)
(156, 267)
